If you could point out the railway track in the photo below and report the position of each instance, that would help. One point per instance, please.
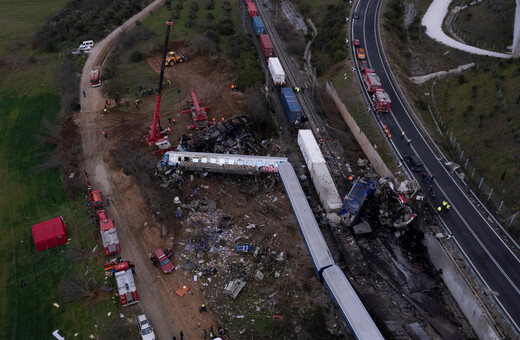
(315, 122)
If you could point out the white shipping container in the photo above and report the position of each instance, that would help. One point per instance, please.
(327, 192)
(276, 70)
(309, 148)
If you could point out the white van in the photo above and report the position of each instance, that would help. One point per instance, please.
(86, 45)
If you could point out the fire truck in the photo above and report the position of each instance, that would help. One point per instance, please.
(372, 81)
(95, 78)
(381, 101)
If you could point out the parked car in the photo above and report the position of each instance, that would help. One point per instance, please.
(415, 162)
(164, 261)
(357, 43)
(363, 65)
(361, 53)
(145, 329)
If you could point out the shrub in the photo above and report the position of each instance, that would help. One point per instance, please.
(210, 16)
(226, 6)
(194, 6)
(136, 56)
(210, 4)
(212, 35)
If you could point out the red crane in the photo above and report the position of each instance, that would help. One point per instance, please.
(157, 136)
(198, 113)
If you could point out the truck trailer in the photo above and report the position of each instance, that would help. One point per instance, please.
(276, 70)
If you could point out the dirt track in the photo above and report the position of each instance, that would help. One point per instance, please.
(136, 230)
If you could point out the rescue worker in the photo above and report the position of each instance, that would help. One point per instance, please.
(439, 209)
(409, 141)
(402, 135)
(173, 121)
(105, 134)
(444, 203)
(105, 111)
(448, 207)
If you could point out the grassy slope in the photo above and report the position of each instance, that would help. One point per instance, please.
(490, 144)
(491, 147)
(497, 30)
(28, 313)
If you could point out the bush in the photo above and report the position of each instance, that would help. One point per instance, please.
(203, 45)
(67, 82)
(192, 15)
(226, 6)
(210, 4)
(194, 6)
(212, 35)
(210, 16)
(136, 56)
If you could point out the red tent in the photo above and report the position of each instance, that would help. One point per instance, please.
(50, 233)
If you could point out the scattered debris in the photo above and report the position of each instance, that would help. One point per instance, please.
(234, 287)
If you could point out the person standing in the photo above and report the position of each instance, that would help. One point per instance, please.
(105, 134)
(409, 141)
(84, 94)
(402, 135)
(181, 334)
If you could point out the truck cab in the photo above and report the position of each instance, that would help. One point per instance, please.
(166, 264)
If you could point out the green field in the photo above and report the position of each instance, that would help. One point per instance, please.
(481, 109)
(30, 196)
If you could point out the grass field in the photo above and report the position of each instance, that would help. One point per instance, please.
(496, 33)
(481, 108)
(30, 196)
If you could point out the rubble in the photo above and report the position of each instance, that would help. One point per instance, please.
(234, 287)
(233, 136)
(362, 228)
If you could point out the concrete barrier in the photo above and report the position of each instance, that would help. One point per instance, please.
(467, 299)
(367, 147)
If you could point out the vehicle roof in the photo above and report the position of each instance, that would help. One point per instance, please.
(159, 253)
(416, 159)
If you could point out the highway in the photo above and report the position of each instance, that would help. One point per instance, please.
(496, 265)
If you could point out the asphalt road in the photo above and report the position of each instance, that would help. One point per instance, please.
(495, 263)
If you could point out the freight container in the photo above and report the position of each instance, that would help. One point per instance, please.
(325, 187)
(276, 70)
(310, 148)
(258, 25)
(251, 9)
(292, 108)
(321, 178)
(266, 45)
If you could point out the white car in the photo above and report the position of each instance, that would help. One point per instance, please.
(145, 328)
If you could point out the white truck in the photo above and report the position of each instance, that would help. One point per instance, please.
(276, 70)
(85, 47)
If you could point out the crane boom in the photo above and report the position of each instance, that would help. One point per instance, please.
(156, 133)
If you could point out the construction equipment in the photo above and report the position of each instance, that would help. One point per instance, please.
(158, 136)
(198, 113)
(174, 58)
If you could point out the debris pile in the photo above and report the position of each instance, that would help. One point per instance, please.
(233, 136)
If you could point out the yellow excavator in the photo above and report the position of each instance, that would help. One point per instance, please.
(174, 58)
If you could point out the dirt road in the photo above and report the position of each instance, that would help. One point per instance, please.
(138, 232)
